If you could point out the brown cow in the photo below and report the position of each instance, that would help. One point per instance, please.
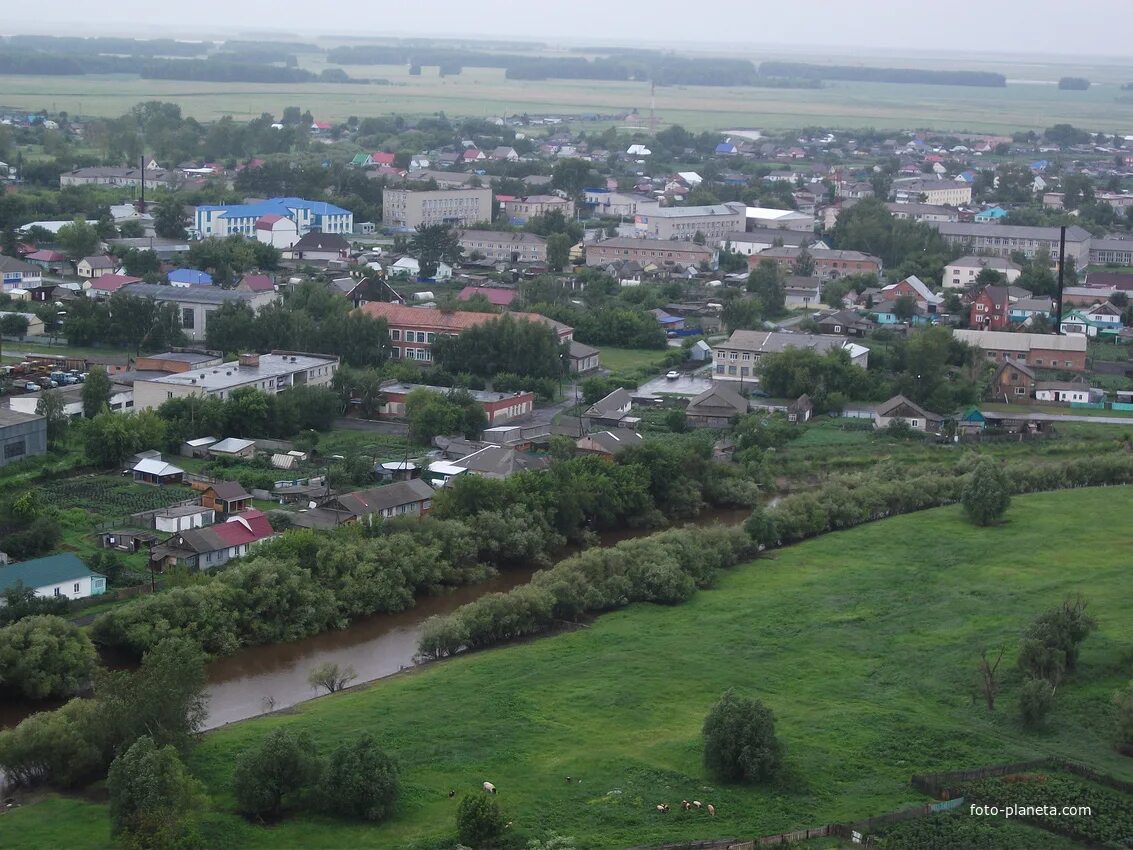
(663, 808)
(711, 810)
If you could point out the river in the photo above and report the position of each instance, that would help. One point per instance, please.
(266, 678)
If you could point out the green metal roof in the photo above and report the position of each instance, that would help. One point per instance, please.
(40, 572)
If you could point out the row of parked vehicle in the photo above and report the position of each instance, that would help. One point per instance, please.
(25, 377)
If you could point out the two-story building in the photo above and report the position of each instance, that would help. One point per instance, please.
(684, 223)
(195, 303)
(989, 309)
(1003, 240)
(16, 274)
(269, 373)
(738, 358)
(647, 252)
(829, 264)
(932, 191)
(504, 247)
(1039, 351)
(522, 210)
(962, 273)
(227, 219)
(413, 330)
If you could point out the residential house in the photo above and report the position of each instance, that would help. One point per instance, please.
(22, 435)
(846, 323)
(989, 309)
(255, 283)
(54, 576)
(991, 214)
(182, 518)
(157, 471)
(613, 410)
(35, 326)
(737, 359)
(318, 247)
(802, 293)
(413, 497)
(800, 410)
(922, 212)
(95, 267)
(1013, 381)
(276, 230)
(226, 498)
(1025, 308)
(914, 287)
(16, 274)
(901, 409)
(106, 285)
(666, 321)
(608, 443)
(754, 241)
(1082, 321)
(887, 312)
(716, 407)
(500, 462)
(962, 273)
(583, 358)
(1039, 351)
(214, 545)
(1067, 392)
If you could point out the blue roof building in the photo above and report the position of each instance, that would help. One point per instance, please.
(228, 219)
(189, 277)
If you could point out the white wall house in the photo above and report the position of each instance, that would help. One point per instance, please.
(54, 576)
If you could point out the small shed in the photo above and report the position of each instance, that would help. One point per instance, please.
(198, 447)
(800, 410)
(233, 447)
(156, 471)
(396, 470)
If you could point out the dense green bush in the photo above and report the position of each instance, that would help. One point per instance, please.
(273, 774)
(664, 568)
(153, 798)
(985, 496)
(479, 821)
(45, 656)
(1036, 699)
(361, 780)
(739, 740)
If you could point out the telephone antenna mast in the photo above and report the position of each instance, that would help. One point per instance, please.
(652, 108)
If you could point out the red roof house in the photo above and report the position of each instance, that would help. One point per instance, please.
(108, 284)
(498, 297)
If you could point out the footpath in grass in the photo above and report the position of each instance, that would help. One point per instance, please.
(864, 643)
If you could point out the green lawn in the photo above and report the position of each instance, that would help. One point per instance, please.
(629, 359)
(864, 643)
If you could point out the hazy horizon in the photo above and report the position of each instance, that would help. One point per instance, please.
(1097, 29)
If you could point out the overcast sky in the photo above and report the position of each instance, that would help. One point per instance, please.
(1011, 26)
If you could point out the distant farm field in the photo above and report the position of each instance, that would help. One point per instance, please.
(485, 92)
(863, 642)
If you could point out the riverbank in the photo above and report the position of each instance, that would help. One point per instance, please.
(863, 642)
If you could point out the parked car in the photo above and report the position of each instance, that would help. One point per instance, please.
(31, 388)
(672, 375)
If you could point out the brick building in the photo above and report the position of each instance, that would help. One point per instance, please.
(828, 264)
(408, 208)
(1039, 351)
(500, 408)
(648, 251)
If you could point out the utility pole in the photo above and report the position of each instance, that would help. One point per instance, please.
(1061, 278)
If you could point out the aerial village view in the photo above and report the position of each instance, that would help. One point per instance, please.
(591, 428)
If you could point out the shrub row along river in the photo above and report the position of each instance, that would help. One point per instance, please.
(274, 676)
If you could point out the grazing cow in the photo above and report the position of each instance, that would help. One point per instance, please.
(568, 779)
(451, 793)
(663, 808)
(711, 810)
(696, 804)
(686, 805)
(489, 787)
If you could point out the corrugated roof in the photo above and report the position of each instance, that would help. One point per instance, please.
(42, 572)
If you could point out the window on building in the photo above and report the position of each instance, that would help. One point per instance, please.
(188, 320)
(395, 335)
(76, 588)
(16, 448)
(58, 592)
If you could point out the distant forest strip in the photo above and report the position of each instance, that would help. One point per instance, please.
(207, 70)
(118, 46)
(662, 69)
(801, 70)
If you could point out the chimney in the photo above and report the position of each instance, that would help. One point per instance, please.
(251, 361)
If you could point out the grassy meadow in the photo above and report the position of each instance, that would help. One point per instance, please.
(864, 643)
(485, 92)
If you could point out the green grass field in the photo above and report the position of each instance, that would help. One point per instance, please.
(864, 643)
(631, 359)
(485, 92)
